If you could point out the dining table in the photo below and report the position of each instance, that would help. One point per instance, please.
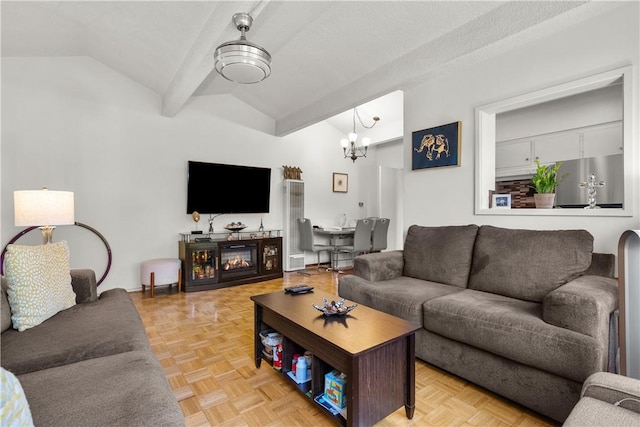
(338, 236)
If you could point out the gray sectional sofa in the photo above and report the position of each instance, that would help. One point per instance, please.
(523, 313)
(89, 365)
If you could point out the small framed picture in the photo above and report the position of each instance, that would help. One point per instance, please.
(340, 182)
(501, 201)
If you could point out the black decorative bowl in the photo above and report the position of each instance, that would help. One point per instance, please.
(235, 229)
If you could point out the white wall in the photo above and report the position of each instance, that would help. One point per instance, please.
(74, 124)
(446, 195)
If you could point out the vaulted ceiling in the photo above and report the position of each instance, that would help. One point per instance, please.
(328, 56)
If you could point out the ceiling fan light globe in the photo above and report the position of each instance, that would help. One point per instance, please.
(241, 61)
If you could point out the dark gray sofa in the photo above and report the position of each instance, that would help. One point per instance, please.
(523, 313)
(91, 364)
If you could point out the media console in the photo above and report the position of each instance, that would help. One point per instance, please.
(221, 260)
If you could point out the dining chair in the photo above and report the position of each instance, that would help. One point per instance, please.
(306, 240)
(361, 240)
(379, 236)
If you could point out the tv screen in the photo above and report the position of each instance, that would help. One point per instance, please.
(214, 188)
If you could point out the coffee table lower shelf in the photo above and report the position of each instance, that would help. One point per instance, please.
(309, 388)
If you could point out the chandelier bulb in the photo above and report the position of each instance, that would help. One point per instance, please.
(344, 142)
(353, 136)
(366, 141)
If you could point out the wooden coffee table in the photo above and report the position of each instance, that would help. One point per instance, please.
(375, 350)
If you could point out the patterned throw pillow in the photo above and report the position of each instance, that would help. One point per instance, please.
(15, 408)
(39, 282)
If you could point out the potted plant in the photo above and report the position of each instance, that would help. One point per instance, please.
(545, 181)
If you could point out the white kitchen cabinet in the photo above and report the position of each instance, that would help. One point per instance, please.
(510, 154)
(557, 147)
(600, 141)
(516, 158)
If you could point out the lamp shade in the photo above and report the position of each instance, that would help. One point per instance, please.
(43, 207)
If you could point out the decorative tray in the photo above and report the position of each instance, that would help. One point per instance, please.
(235, 226)
(333, 308)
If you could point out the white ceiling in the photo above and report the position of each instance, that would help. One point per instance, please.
(328, 56)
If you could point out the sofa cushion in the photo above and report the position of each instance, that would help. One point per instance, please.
(39, 282)
(14, 410)
(127, 389)
(440, 254)
(528, 264)
(109, 326)
(402, 297)
(513, 329)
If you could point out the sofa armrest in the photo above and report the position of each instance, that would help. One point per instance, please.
(583, 305)
(379, 266)
(615, 389)
(83, 281)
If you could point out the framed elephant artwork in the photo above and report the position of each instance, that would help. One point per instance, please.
(436, 147)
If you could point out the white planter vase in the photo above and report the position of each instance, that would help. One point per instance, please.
(545, 200)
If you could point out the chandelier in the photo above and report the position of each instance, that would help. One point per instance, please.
(241, 61)
(349, 147)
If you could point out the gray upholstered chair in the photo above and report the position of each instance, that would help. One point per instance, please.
(361, 240)
(379, 236)
(607, 400)
(306, 240)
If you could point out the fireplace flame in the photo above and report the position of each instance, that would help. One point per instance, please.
(234, 263)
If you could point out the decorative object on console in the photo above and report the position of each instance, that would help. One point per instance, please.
(340, 182)
(292, 172)
(545, 181)
(241, 61)
(196, 218)
(591, 185)
(334, 308)
(436, 147)
(235, 226)
(349, 147)
(44, 209)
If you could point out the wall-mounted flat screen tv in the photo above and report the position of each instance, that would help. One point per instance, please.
(215, 188)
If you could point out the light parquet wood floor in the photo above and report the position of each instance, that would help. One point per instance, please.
(204, 341)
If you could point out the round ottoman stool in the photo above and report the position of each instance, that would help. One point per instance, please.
(161, 271)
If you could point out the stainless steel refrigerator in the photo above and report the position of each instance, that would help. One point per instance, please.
(609, 169)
